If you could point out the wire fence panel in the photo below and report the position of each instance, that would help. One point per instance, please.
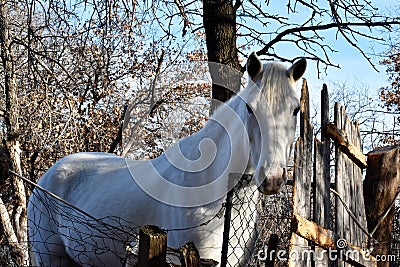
(254, 217)
(395, 243)
(243, 224)
(274, 218)
(94, 240)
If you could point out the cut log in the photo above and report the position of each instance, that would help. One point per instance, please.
(327, 239)
(380, 190)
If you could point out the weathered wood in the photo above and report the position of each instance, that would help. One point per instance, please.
(302, 175)
(321, 201)
(342, 141)
(348, 180)
(380, 188)
(6, 224)
(152, 246)
(340, 212)
(322, 179)
(357, 198)
(329, 240)
(189, 255)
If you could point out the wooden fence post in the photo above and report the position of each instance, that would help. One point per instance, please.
(189, 255)
(152, 246)
(322, 178)
(380, 190)
(348, 179)
(303, 158)
(271, 251)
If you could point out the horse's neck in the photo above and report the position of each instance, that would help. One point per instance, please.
(220, 143)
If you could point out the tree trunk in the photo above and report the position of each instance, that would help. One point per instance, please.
(19, 223)
(219, 18)
(381, 185)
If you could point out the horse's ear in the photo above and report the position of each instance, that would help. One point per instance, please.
(254, 65)
(297, 69)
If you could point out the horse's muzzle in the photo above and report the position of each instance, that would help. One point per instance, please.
(274, 182)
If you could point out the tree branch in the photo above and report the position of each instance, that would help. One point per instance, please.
(185, 18)
(322, 27)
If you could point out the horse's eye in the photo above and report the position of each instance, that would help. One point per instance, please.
(295, 111)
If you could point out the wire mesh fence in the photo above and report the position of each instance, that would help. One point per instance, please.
(274, 219)
(395, 243)
(94, 239)
(259, 216)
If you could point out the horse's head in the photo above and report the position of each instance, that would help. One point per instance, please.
(272, 119)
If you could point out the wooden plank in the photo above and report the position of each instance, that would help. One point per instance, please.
(302, 175)
(339, 181)
(380, 189)
(342, 141)
(321, 201)
(321, 185)
(359, 209)
(348, 179)
(322, 178)
(329, 240)
(297, 244)
(152, 247)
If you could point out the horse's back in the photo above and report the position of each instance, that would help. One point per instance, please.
(69, 173)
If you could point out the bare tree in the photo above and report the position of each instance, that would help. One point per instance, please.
(390, 95)
(362, 105)
(68, 69)
(15, 229)
(301, 26)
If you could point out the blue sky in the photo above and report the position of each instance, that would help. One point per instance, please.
(354, 68)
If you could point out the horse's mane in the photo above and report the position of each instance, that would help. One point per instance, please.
(274, 83)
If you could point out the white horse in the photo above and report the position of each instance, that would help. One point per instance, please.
(183, 188)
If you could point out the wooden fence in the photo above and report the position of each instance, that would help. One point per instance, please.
(343, 237)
